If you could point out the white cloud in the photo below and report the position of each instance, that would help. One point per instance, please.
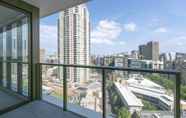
(161, 30)
(174, 44)
(48, 36)
(181, 37)
(121, 43)
(181, 41)
(130, 27)
(106, 32)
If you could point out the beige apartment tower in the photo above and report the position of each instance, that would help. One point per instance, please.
(74, 41)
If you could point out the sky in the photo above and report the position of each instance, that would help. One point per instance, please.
(122, 25)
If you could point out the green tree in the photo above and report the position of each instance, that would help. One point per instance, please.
(135, 115)
(183, 92)
(162, 80)
(148, 106)
(123, 113)
(114, 99)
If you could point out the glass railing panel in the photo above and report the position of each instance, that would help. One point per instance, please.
(143, 95)
(111, 92)
(183, 93)
(52, 84)
(84, 90)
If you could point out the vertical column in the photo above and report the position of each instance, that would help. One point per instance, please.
(34, 70)
(104, 92)
(19, 57)
(1, 57)
(9, 54)
(177, 101)
(4, 57)
(64, 88)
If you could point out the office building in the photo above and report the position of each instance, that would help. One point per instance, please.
(149, 51)
(145, 64)
(134, 54)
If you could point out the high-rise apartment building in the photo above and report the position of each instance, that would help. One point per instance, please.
(74, 41)
(42, 55)
(150, 51)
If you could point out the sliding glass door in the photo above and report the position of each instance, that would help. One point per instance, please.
(14, 50)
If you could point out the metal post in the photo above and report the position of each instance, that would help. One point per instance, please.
(8, 75)
(104, 92)
(40, 82)
(19, 78)
(177, 101)
(64, 89)
(36, 84)
(1, 74)
(20, 57)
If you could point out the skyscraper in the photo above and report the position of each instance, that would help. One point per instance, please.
(42, 55)
(74, 41)
(150, 51)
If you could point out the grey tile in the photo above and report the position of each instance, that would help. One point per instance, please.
(39, 109)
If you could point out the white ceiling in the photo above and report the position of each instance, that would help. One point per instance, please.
(48, 7)
(7, 15)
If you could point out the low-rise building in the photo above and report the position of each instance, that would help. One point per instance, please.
(145, 64)
(128, 98)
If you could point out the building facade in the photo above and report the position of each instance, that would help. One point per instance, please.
(149, 51)
(42, 55)
(145, 64)
(74, 41)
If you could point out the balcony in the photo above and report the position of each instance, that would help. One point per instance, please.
(57, 97)
(32, 89)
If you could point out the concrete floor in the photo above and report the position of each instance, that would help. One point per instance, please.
(39, 109)
(9, 100)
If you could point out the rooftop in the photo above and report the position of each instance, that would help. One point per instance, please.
(128, 96)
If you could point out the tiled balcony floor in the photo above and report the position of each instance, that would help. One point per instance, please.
(10, 100)
(39, 109)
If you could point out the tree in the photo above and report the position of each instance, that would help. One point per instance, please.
(114, 99)
(163, 81)
(135, 115)
(148, 106)
(183, 92)
(123, 113)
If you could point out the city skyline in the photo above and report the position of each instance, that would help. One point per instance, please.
(100, 59)
(124, 28)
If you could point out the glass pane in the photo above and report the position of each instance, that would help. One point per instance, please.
(145, 95)
(25, 79)
(52, 84)
(84, 88)
(14, 69)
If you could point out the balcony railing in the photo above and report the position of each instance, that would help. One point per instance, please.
(104, 71)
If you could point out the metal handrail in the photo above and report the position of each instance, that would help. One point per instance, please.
(13, 61)
(173, 72)
(103, 68)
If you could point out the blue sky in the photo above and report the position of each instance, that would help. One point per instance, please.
(123, 25)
